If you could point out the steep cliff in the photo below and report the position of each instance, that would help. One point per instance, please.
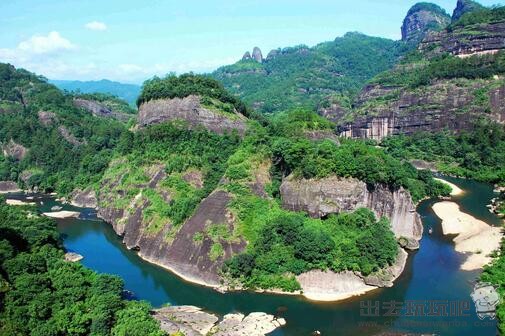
(321, 197)
(100, 110)
(191, 110)
(455, 78)
(420, 19)
(463, 7)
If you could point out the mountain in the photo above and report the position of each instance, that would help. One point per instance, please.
(127, 92)
(48, 143)
(303, 76)
(465, 6)
(420, 19)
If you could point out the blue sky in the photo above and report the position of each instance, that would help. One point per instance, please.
(131, 40)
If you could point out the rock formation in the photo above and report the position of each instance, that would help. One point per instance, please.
(422, 18)
(320, 197)
(273, 54)
(65, 133)
(14, 150)
(47, 118)
(84, 198)
(257, 55)
(99, 110)
(8, 187)
(463, 7)
(445, 104)
(247, 56)
(171, 247)
(464, 41)
(190, 109)
(193, 321)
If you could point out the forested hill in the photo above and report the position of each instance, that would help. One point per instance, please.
(303, 76)
(46, 142)
(127, 92)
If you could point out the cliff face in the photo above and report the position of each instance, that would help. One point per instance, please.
(173, 247)
(190, 109)
(484, 38)
(422, 18)
(448, 104)
(333, 195)
(99, 110)
(463, 7)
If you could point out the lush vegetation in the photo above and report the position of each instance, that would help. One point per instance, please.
(41, 294)
(54, 162)
(126, 92)
(302, 76)
(479, 154)
(495, 274)
(416, 71)
(182, 86)
(480, 15)
(110, 101)
(429, 7)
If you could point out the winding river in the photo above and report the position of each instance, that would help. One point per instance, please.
(432, 274)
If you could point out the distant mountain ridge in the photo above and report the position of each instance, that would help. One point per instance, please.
(127, 92)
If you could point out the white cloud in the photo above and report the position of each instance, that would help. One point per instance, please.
(40, 44)
(96, 25)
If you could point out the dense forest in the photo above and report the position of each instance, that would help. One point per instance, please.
(64, 147)
(42, 294)
(301, 76)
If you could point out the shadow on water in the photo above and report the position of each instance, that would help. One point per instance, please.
(432, 273)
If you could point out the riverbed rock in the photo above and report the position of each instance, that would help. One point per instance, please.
(14, 150)
(190, 110)
(321, 197)
(84, 198)
(8, 187)
(193, 321)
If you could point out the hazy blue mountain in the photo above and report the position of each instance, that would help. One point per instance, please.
(128, 92)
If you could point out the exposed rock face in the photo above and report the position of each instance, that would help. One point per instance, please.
(65, 133)
(463, 7)
(333, 195)
(322, 135)
(8, 187)
(442, 105)
(420, 19)
(273, 54)
(99, 110)
(247, 56)
(464, 42)
(257, 55)
(193, 321)
(84, 198)
(47, 118)
(190, 110)
(14, 150)
(173, 247)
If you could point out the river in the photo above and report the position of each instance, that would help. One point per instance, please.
(432, 274)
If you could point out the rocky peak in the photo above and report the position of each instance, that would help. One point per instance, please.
(257, 55)
(273, 53)
(421, 18)
(463, 7)
(247, 56)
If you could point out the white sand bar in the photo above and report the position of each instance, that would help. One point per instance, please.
(455, 189)
(62, 214)
(474, 236)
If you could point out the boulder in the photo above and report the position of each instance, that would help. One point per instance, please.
(84, 198)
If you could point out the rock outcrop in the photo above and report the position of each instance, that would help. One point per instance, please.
(8, 187)
(247, 56)
(463, 7)
(190, 110)
(174, 248)
(99, 110)
(257, 55)
(447, 104)
(422, 18)
(193, 321)
(47, 118)
(320, 197)
(477, 39)
(65, 133)
(84, 198)
(14, 150)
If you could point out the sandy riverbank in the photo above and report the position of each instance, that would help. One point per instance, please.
(62, 214)
(17, 202)
(473, 236)
(455, 189)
